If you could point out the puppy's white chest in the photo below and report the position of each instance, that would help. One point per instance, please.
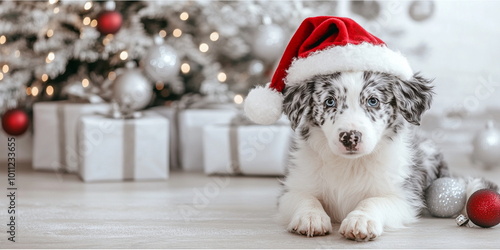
(343, 190)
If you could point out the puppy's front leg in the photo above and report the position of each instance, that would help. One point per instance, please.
(371, 215)
(304, 214)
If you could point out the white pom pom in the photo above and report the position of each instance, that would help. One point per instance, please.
(264, 105)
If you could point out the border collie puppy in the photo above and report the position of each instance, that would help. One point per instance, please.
(354, 105)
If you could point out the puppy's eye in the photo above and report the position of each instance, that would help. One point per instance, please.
(372, 102)
(330, 102)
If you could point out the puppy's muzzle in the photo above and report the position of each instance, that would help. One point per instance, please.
(350, 139)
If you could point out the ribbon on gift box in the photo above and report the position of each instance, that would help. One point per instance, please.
(234, 141)
(62, 138)
(129, 149)
(129, 137)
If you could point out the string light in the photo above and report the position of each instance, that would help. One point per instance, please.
(1, 75)
(85, 82)
(28, 91)
(177, 33)
(238, 99)
(56, 10)
(107, 39)
(111, 75)
(50, 32)
(87, 5)
(5, 68)
(222, 77)
(49, 90)
(184, 16)
(34, 91)
(185, 68)
(93, 23)
(50, 57)
(3, 39)
(53, 1)
(45, 77)
(204, 47)
(162, 33)
(159, 85)
(214, 36)
(86, 20)
(124, 55)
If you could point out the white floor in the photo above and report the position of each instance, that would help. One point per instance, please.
(190, 210)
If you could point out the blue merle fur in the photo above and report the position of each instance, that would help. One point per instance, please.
(402, 104)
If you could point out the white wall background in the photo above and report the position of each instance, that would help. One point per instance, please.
(463, 55)
(463, 41)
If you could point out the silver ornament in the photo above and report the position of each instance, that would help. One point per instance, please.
(161, 62)
(269, 42)
(486, 146)
(132, 91)
(446, 197)
(256, 67)
(421, 10)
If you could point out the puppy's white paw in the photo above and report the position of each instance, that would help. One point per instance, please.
(360, 227)
(310, 223)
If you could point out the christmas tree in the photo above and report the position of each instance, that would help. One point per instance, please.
(52, 50)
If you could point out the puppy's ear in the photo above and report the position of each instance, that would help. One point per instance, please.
(413, 97)
(297, 102)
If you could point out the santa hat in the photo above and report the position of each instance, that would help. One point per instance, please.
(323, 45)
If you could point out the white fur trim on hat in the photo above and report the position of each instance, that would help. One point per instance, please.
(263, 105)
(361, 57)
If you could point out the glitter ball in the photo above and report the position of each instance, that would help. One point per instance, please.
(446, 197)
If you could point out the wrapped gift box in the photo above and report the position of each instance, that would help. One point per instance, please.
(55, 131)
(246, 149)
(123, 149)
(191, 122)
(171, 113)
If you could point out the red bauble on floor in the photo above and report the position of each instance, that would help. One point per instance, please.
(483, 208)
(15, 122)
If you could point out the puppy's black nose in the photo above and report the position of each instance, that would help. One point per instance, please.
(350, 139)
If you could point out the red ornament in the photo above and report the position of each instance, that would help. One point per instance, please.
(109, 22)
(483, 208)
(15, 122)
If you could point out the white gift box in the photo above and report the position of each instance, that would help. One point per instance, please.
(123, 149)
(246, 149)
(191, 122)
(55, 131)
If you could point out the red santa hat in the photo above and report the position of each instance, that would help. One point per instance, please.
(323, 45)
